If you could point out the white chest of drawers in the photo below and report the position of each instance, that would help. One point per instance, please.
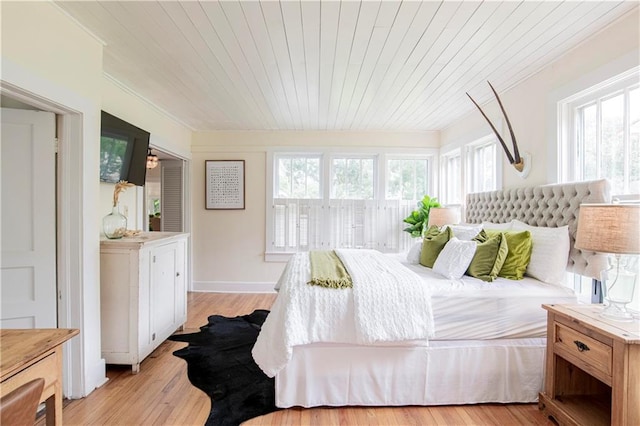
(143, 294)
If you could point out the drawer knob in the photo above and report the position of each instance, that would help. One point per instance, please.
(581, 346)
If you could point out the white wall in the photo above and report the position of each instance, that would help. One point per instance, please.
(528, 103)
(46, 56)
(166, 133)
(228, 245)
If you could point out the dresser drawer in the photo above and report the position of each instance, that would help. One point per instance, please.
(46, 368)
(586, 353)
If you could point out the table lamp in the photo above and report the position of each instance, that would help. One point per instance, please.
(440, 216)
(612, 229)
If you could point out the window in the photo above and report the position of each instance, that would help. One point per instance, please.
(473, 167)
(297, 187)
(607, 140)
(330, 200)
(603, 138)
(407, 178)
(482, 165)
(600, 138)
(298, 176)
(451, 178)
(352, 178)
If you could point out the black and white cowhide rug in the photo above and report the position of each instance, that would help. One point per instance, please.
(219, 362)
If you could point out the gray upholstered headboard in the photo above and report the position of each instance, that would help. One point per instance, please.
(547, 205)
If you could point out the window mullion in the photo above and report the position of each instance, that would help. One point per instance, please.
(306, 175)
(579, 150)
(599, 138)
(326, 165)
(414, 185)
(626, 139)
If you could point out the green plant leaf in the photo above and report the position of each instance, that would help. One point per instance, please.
(420, 217)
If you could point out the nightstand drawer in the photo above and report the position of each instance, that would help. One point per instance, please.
(592, 374)
(587, 352)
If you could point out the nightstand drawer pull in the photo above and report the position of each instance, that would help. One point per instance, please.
(581, 346)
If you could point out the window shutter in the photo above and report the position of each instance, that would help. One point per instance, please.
(279, 225)
(171, 196)
(310, 225)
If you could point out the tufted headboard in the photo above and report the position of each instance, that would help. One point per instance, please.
(546, 205)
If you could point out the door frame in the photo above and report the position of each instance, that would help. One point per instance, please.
(77, 251)
(186, 203)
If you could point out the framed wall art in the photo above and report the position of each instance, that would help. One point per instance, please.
(224, 188)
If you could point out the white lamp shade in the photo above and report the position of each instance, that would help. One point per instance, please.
(439, 216)
(609, 228)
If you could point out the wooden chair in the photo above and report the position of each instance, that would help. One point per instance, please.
(19, 407)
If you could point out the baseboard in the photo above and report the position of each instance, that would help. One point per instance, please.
(97, 377)
(233, 287)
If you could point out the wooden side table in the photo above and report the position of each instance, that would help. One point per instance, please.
(592, 368)
(29, 354)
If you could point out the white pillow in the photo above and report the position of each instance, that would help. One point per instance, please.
(413, 256)
(454, 259)
(500, 226)
(466, 232)
(549, 254)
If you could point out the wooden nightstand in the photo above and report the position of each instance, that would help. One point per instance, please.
(593, 368)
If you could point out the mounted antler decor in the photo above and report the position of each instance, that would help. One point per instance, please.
(521, 166)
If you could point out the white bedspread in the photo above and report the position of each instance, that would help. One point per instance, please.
(388, 303)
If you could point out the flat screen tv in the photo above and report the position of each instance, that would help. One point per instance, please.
(123, 151)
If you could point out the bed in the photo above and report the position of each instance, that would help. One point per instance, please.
(478, 342)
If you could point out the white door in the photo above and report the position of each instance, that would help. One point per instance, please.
(28, 220)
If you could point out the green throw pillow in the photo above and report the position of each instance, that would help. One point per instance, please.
(520, 244)
(489, 258)
(433, 242)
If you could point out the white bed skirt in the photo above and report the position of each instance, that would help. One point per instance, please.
(443, 373)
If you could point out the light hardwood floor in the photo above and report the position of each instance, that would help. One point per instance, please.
(161, 393)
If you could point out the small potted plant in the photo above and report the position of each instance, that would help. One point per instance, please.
(418, 219)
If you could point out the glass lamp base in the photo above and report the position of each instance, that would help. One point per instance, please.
(616, 311)
(618, 284)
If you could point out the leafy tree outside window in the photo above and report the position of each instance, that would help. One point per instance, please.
(608, 142)
(352, 178)
(407, 179)
(298, 177)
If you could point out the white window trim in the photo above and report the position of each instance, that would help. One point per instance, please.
(434, 167)
(444, 171)
(463, 147)
(567, 131)
(377, 159)
(309, 154)
(327, 153)
(557, 133)
(468, 159)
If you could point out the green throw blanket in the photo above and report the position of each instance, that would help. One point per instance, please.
(327, 270)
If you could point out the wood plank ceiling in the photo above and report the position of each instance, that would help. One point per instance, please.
(331, 65)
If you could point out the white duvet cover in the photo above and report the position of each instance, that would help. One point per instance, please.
(388, 303)
(471, 309)
(464, 309)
